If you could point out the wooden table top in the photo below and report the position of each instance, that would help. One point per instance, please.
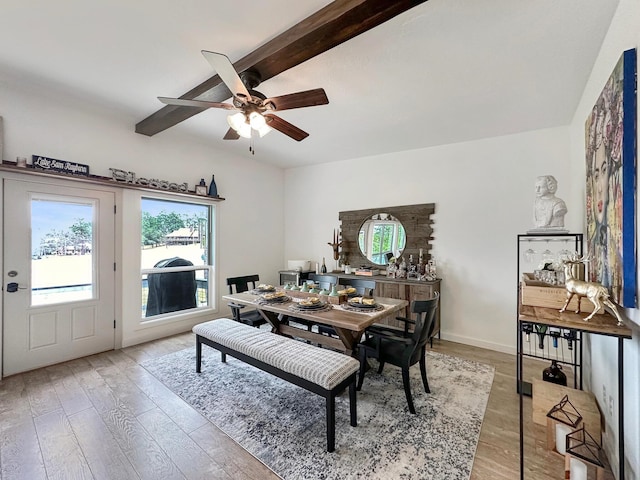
(336, 317)
(604, 324)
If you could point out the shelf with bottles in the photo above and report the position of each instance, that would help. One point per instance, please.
(559, 345)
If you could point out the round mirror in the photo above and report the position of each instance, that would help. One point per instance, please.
(381, 237)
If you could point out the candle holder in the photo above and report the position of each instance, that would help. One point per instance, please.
(581, 445)
(563, 413)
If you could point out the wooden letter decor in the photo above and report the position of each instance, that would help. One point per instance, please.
(130, 177)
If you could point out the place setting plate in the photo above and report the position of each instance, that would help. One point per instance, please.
(264, 289)
(273, 297)
(310, 305)
(348, 291)
(362, 304)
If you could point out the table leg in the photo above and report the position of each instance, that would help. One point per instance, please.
(272, 319)
(349, 338)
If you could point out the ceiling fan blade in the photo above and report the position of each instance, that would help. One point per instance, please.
(195, 103)
(285, 127)
(308, 98)
(231, 135)
(224, 68)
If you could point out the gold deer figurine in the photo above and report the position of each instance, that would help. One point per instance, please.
(596, 293)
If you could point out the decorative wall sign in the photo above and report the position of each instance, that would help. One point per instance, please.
(130, 177)
(60, 166)
(610, 134)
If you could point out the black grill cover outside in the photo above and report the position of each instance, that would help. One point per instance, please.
(171, 292)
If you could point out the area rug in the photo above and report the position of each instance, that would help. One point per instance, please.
(284, 426)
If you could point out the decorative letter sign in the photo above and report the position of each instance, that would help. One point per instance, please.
(60, 166)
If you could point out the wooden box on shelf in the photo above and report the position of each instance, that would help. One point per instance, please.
(546, 395)
(539, 294)
(327, 298)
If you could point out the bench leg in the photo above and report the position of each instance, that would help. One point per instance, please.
(331, 422)
(223, 357)
(352, 402)
(198, 353)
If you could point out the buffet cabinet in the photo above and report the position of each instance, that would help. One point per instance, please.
(408, 290)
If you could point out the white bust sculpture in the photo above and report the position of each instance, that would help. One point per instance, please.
(548, 210)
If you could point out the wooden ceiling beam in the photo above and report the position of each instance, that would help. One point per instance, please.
(334, 24)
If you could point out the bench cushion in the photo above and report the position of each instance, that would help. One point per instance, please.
(320, 366)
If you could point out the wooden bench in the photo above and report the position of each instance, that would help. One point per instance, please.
(324, 372)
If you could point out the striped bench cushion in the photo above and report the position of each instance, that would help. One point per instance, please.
(317, 365)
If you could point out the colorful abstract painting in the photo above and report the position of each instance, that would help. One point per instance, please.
(610, 134)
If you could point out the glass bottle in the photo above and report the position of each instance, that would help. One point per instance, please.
(421, 265)
(323, 268)
(213, 189)
(541, 330)
(554, 374)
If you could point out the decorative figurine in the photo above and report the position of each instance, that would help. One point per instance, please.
(595, 292)
(335, 245)
(548, 210)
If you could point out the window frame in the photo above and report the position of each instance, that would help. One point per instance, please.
(210, 268)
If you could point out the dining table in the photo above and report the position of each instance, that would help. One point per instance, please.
(348, 322)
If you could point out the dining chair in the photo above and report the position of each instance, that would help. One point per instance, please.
(402, 348)
(243, 284)
(362, 286)
(323, 281)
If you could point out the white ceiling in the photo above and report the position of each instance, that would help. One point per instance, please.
(446, 71)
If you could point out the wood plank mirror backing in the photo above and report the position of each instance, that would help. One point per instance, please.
(416, 220)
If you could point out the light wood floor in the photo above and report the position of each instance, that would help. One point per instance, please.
(105, 417)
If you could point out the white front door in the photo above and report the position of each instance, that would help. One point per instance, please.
(59, 281)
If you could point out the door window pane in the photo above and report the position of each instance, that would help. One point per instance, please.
(175, 253)
(61, 251)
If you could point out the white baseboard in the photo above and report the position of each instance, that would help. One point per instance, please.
(498, 347)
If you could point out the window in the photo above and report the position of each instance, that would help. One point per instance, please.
(62, 265)
(176, 256)
(382, 240)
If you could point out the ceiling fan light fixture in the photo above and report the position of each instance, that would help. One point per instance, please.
(238, 122)
(256, 120)
(259, 124)
(262, 131)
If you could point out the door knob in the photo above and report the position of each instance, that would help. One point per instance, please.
(13, 287)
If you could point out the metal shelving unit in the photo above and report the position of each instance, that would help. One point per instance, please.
(566, 323)
(563, 345)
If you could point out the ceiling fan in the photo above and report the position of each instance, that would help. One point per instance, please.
(254, 108)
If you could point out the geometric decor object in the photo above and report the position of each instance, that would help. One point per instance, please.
(581, 445)
(610, 150)
(565, 412)
(562, 419)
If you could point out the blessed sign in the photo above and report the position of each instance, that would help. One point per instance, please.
(61, 166)
(130, 177)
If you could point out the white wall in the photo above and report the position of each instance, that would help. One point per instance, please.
(623, 34)
(484, 193)
(250, 220)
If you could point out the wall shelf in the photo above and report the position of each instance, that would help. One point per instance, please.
(7, 166)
